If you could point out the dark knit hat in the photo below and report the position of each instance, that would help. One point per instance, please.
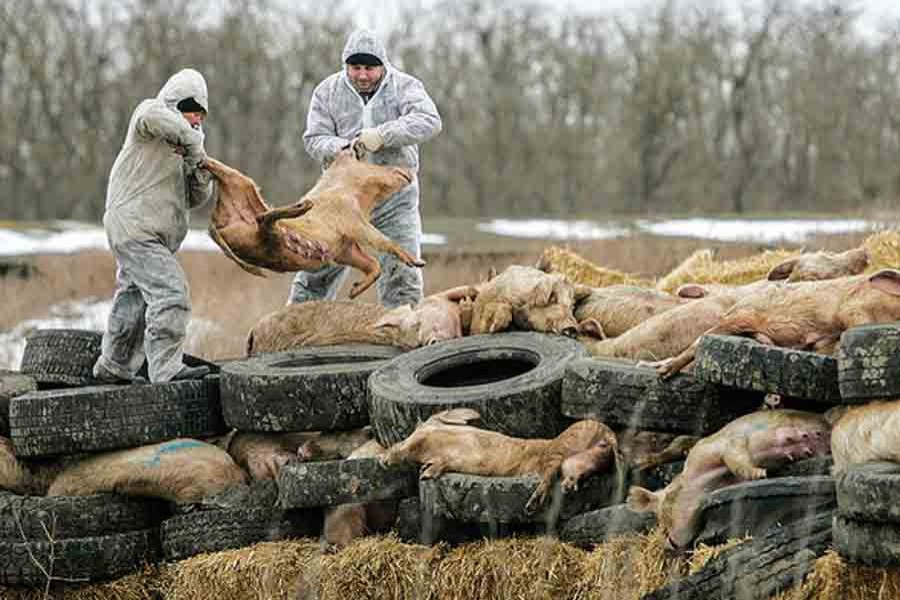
(190, 105)
(360, 58)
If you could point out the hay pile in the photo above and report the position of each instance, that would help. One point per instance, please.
(627, 567)
(577, 269)
(265, 571)
(835, 579)
(884, 250)
(702, 267)
(382, 567)
(138, 586)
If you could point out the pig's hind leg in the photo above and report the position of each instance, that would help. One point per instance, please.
(357, 258)
(366, 232)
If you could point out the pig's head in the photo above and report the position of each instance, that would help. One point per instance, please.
(676, 507)
(491, 317)
(431, 321)
(375, 182)
(817, 266)
(600, 457)
(555, 318)
(878, 298)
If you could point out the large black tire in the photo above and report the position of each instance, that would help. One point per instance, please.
(108, 417)
(91, 558)
(753, 507)
(67, 517)
(56, 357)
(513, 380)
(478, 499)
(746, 364)
(597, 526)
(12, 384)
(311, 389)
(870, 492)
(333, 482)
(200, 531)
(626, 396)
(869, 362)
(870, 543)
(756, 569)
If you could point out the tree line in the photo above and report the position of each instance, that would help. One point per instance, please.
(777, 106)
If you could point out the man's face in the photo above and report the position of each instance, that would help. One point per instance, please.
(365, 78)
(194, 119)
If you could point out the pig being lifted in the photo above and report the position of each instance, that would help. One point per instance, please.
(805, 316)
(866, 434)
(327, 225)
(446, 443)
(435, 318)
(740, 451)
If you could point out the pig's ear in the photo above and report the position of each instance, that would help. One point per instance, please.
(592, 328)
(887, 280)
(782, 270)
(642, 500)
(394, 318)
(691, 290)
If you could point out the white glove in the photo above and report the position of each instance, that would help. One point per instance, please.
(370, 139)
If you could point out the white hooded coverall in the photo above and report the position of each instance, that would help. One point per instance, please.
(151, 190)
(405, 116)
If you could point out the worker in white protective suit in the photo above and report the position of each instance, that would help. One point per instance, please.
(155, 180)
(383, 113)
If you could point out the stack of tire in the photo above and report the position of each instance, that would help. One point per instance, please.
(54, 409)
(866, 528)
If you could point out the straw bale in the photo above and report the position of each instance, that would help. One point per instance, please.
(264, 571)
(703, 553)
(702, 267)
(627, 567)
(373, 567)
(137, 586)
(577, 269)
(884, 250)
(836, 579)
(534, 568)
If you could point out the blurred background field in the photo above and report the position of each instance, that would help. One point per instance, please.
(74, 288)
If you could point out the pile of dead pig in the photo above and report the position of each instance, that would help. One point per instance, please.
(266, 479)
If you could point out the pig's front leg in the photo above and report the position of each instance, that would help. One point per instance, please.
(738, 460)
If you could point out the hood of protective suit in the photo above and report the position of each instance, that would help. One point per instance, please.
(364, 41)
(186, 83)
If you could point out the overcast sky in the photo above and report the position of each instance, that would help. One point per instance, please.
(378, 14)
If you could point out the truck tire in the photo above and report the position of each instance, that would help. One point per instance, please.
(311, 389)
(108, 417)
(514, 380)
(626, 396)
(869, 363)
(746, 364)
